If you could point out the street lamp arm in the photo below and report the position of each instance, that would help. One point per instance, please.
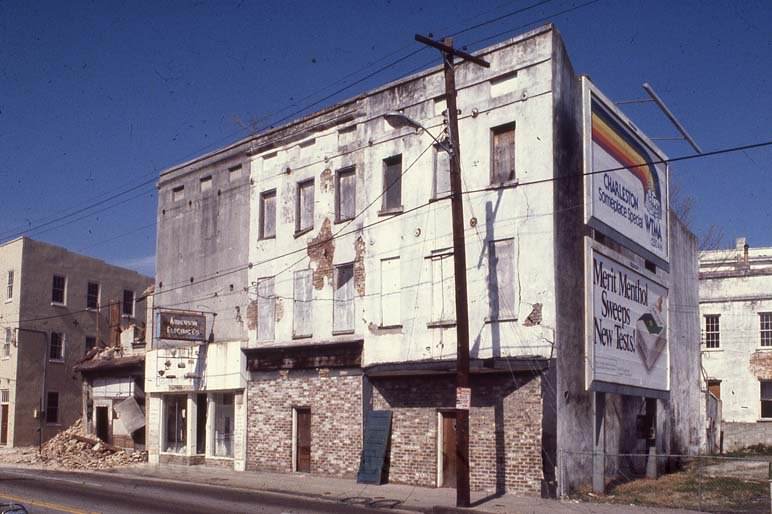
(399, 120)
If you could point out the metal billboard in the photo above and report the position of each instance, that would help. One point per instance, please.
(626, 180)
(626, 328)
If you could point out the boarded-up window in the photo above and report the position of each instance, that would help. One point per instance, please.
(390, 293)
(503, 154)
(343, 301)
(268, 214)
(266, 309)
(501, 279)
(345, 194)
(234, 173)
(441, 172)
(304, 206)
(766, 398)
(443, 288)
(302, 306)
(392, 183)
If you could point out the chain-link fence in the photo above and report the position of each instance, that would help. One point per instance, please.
(706, 483)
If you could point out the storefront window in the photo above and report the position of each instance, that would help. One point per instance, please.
(176, 423)
(223, 425)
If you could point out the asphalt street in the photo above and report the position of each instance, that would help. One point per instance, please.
(42, 491)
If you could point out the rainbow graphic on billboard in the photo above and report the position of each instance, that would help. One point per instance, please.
(616, 140)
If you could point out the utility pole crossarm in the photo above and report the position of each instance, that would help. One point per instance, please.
(453, 51)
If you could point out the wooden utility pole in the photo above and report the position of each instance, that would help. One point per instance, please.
(463, 391)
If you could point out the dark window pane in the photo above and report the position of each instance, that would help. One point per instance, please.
(57, 291)
(392, 183)
(128, 302)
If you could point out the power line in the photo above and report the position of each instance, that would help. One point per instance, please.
(238, 268)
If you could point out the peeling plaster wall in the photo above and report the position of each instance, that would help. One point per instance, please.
(364, 140)
(737, 296)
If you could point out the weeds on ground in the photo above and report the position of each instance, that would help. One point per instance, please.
(689, 489)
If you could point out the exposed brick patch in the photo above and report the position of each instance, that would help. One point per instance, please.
(336, 421)
(359, 266)
(505, 426)
(321, 250)
(534, 318)
(760, 365)
(252, 315)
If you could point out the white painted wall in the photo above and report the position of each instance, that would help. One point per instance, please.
(738, 298)
(523, 214)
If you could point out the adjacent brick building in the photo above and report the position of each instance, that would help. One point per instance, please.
(55, 307)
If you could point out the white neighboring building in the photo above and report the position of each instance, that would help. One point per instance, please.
(736, 313)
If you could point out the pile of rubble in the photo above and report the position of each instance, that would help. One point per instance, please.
(72, 449)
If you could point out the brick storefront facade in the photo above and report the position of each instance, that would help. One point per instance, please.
(505, 429)
(335, 400)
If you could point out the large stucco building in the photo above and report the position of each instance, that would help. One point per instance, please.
(54, 307)
(736, 312)
(340, 300)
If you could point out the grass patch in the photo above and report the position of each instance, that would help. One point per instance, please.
(689, 490)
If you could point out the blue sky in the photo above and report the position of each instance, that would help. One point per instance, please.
(99, 97)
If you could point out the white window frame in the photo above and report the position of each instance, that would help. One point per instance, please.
(64, 290)
(9, 288)
(7, 343)
(765, 330)
(716, 333)
(62, 343)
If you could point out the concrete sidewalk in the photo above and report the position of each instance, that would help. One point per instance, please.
(394, 497)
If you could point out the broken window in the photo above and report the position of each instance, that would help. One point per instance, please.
(765, 319)
(712, 339)
(441, 172)
(234, 173)
(501, 279)
(345, 194)
(343, 301)
(175, 419)
(391, 292)
(7, 343)
(268, 214)
(266, 309)
(56, 348)
(178, 193)
(58, 289)
(503, 154)
(223, 425)
(127, 307)
(302, 313)
(9, 295)
(52, 407)
(92, 295)
(766, 398)
(206, 184)
(392, 183)
(304, 207)
(443, 288)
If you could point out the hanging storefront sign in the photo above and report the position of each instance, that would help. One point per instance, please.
(182, 326)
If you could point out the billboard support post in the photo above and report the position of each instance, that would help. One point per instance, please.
(599, 442)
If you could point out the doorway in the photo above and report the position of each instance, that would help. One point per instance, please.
(4, 424)
(447, 462)
(303, 440)
(103, 423)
